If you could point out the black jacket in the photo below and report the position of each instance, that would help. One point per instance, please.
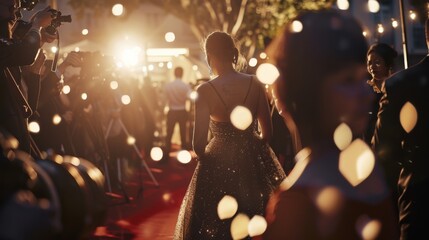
(408, 144)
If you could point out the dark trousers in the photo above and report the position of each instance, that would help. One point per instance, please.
(173, 117)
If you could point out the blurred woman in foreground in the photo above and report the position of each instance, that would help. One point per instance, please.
(336, 190)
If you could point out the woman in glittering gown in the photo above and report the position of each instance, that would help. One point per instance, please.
(235, 162)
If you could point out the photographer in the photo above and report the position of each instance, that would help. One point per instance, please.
(14, 107)
(54, 135)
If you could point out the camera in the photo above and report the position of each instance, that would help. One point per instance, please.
(56, 21)
(21, 27)
(28, 4)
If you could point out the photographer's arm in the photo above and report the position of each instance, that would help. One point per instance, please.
(24, 52)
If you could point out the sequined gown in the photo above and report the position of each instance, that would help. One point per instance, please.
(236, 163)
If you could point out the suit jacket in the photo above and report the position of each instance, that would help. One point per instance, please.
(12, 112)
(409, 146)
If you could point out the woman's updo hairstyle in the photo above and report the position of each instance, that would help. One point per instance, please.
(221, 46)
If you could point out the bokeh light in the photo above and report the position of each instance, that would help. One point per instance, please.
(114, 85)
(267, 73)
(54, 49)
(329, 200)
(167, 197)
(84, 96)
(356, 162)
(56, 119)
(380, 28)
(131, 140)
(408, 117)
(373, 6)
(239, 226)
(66, 89)
(302, 160)
(227, 207)
(170, 37)
(241, 117)
(118, 9)
(257, 226)
(125, 99)
(193, 95)
(156, 154)
(253, 62)
(85, 32)
(368, 228)
(296, 26)
(395, 23)
(34, 127)
(413, 15)
(184, 156)
(343, 4)
(343, 136)
(263, 55)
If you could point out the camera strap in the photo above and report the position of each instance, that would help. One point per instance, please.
(55, 61)
(17, 94)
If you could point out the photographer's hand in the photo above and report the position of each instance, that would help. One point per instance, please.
(46, 37)
(41, 19)
(72, 59)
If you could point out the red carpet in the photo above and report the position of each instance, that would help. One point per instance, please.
(152, 212)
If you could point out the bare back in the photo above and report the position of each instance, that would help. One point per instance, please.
(221, 95)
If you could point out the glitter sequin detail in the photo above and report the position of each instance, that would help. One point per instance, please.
(236, 163)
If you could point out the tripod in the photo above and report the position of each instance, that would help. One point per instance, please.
(121, 124)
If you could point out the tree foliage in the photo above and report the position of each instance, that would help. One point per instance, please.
(249, 21)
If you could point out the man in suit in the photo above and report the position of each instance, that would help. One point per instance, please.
(15, 106)
(177, 93)
(402, 135)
